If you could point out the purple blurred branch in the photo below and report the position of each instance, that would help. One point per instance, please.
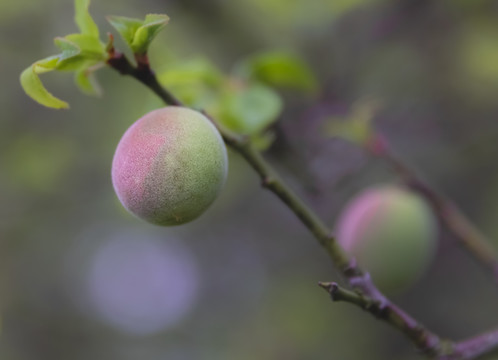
(449, 215)
(365, 293)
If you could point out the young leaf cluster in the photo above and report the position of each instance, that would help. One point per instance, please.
(138, 34)
(83, 53)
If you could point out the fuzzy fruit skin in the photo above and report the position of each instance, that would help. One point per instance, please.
(169, 166)
(392, 233)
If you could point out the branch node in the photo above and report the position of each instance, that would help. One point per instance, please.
(268, 181)
(351, 269)
(143, 63)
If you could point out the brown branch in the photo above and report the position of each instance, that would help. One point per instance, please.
(449, 215)
(468, 349)
(366, 295)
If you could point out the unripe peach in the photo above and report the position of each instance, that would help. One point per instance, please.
(169, 166)
(391, 232)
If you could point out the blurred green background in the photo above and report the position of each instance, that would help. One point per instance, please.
(82, 279)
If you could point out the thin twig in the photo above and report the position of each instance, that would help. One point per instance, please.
(366, 295)
(449, 215)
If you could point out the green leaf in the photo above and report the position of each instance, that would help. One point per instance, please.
(356, 131)
(87, 83)
(139, 34)
(357, 126)
(33, 86)
(262, 141)
(280, 69)
(196, 70)
(127, 27)
(153, 24)
(89, 45)
(196, 82)
(84, 20)
(79, 51)
(68, 48)
(251, 109)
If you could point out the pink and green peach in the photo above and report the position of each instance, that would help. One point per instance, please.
(169, 166)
